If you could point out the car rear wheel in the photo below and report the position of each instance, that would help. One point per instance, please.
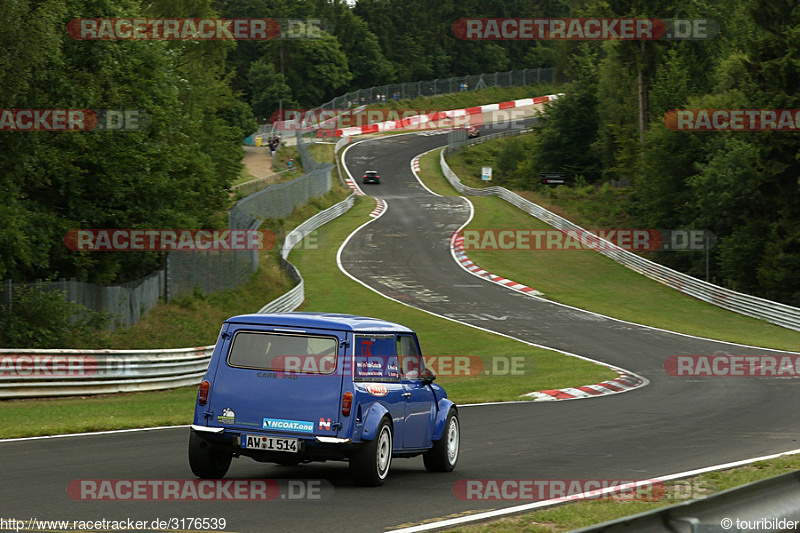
(206, 461)
(444, 454)
(370, 466)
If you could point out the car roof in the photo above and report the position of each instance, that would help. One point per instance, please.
(370, 172)
(337, 321)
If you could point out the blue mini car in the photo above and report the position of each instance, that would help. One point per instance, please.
(290, 388)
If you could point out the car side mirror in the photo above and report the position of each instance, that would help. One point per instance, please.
(427, 376)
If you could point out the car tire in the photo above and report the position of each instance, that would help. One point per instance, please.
(370, 465)
(206, 461)
(444, 454)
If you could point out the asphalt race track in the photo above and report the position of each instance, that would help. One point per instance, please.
(671, 425)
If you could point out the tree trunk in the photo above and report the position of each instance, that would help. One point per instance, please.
(642, 94)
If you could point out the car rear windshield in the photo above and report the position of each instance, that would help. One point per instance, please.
(283, 352)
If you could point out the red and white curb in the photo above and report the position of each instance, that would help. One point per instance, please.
(379, 209)
(352, 184)
(415, 164)
(624, 382)
(418, 120)
(457, 245)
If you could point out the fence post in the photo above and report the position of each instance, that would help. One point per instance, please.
(10, 296)
(166, 277)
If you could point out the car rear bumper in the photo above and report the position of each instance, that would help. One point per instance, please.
(311, 446)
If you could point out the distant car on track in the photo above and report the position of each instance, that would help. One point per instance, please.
(473, 131)
(371, 176)
(292, 388)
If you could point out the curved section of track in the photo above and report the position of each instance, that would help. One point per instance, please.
(674, 424)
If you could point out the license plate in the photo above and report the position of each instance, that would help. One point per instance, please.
(275, 444)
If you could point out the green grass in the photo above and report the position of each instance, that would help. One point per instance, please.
(244, 177)
(30, 418)
(589, 206)
(327, 289)
(281, 161)
(589, 280)
(323, 152)
(460, 100)
(567, 517)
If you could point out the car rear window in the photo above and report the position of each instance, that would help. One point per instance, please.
(374, 358)
(280, 352)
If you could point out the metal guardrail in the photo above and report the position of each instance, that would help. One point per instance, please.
(32, 373)
(292, 299)
(776, 499)
(745, 304)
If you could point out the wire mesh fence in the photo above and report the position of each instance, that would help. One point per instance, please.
(208, 271)
(279, 200)
(124, 303)
(187, 271)
(399, 91)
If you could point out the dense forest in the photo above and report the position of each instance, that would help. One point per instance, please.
(203, 97)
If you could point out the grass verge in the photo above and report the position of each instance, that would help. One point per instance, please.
(589, 280)
(463, 99)
(567, 517)
(323, 152)
(53, 416)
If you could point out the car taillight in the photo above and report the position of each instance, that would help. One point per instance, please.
(347, 403)
(202, 396)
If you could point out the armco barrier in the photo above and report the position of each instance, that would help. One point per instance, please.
(774, 312)
(292, 299)
(32, 373)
